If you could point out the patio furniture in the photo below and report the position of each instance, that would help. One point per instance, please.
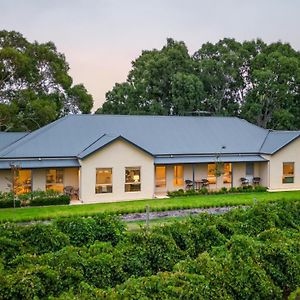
(68, 190)
(256, 180)
(244, 181)
(205, 183)
(188, 184)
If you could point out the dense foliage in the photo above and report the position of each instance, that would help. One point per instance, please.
(36, 198)
(253, 80)
(244, 254)
(35, 87)
(223, 190)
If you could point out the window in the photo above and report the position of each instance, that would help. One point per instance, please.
(178, 175)
(160, 176)
(249, 169)
(211, 173)
(103, 180)
(227, 173)
(22, 181)
(132, 179)
(288, 172)
(55, 180)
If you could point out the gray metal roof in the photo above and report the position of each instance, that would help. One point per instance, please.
(80, 135)
(39, 164)
(207, 159)
(275, 140)
(7, 138)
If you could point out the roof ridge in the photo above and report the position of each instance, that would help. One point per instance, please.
(31, 135)
(264, 141)
(93, 143)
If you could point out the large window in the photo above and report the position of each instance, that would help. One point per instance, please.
(103, 180)
(160, 176)
(22, 181)
(288, 172)
(211, 173)
(132, 179)
(178, 175)
(249, 169)
(55, 180)
(227, 178)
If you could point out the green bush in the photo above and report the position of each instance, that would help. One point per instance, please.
(81, 231)
(58, 200)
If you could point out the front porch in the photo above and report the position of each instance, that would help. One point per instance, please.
(171, 177)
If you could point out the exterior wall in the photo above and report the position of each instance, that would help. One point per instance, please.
(39, 180)
(290, 153)
(238, 171)
(5, 175)
(117, 156)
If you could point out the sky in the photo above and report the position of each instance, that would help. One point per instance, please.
(100, 38)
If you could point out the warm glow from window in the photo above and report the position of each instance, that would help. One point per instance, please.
(288, 172)
(103, 180)
(227, 173)
(132, 179)
(55, 180)
(211, 173)
(23, 182)
(178, 175)
(160, 176)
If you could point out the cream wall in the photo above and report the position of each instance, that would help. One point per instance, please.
(117, 156)
(5, 176)
(290, 153)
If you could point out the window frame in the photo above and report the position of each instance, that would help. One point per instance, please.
(106, 185)
(163, 180)
(178, 181)
(56, 183)
(227, 175)
(285, 176)
(133, 183)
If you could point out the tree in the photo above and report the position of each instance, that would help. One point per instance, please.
(252, 80)
(35, 87)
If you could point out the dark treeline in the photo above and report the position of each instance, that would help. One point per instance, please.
(252, 80)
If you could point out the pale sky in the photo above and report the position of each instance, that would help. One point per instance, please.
(100, 38)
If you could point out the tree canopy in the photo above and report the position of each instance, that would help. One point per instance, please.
(252, 80)
(35, 87)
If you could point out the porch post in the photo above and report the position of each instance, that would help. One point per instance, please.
(193, 166)
(232, 168)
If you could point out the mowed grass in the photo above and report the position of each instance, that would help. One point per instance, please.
(199, 201)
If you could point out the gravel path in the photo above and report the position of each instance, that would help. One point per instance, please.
(176, 213)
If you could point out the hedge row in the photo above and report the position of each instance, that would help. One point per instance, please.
(245, 254)
(223, 190)
(38, 198)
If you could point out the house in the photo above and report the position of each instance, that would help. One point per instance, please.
(113, 157)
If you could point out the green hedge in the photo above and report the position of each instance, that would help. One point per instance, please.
(36, 198)
(223, 190)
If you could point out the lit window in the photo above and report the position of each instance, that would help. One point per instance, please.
(22, 182)
(227, 173)
(132, 179)
(103, 180)
(55, 180)
(211, 173)
(160, 176)
(178, 175)
(288, 172)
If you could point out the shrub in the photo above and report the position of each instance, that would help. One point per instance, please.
(58, 200)
(43, 238)
(81, 231)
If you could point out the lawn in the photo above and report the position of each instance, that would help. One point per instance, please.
(199, 201)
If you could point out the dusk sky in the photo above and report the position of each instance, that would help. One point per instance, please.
(100, 38)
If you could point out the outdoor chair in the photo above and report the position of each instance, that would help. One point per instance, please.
(256, 180)
(68, 190)
(244, 181)
(188, 184)
(205, 183)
